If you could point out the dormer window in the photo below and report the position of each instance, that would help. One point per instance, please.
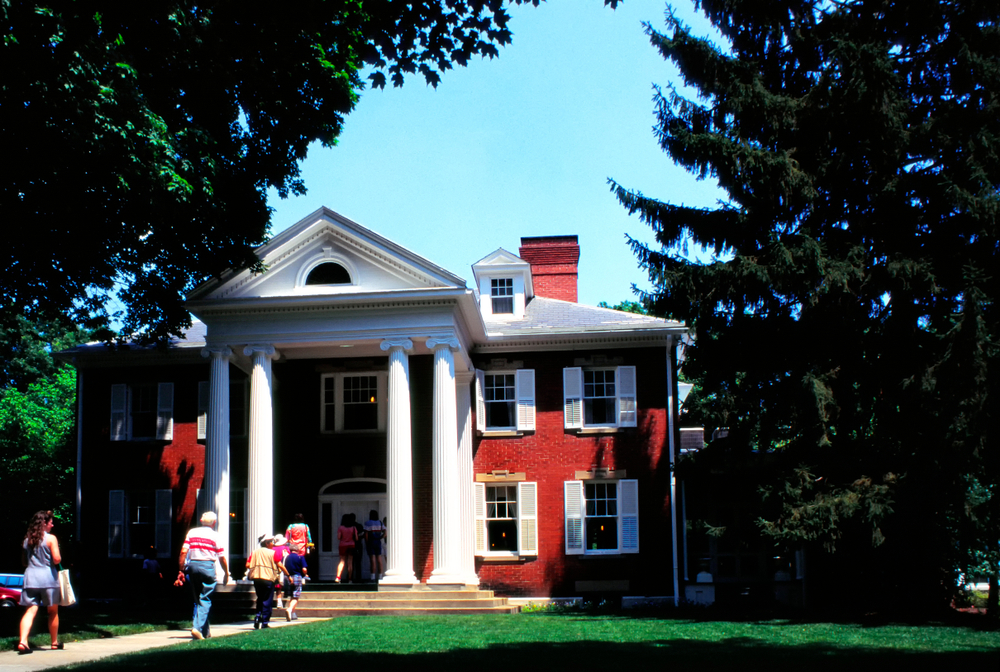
(504, 283)
(329, 273)
(502, 295)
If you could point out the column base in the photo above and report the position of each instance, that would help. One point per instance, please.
(391, 579)
(446, 577)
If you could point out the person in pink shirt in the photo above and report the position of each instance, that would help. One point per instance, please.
(299, 536)
(347, 537)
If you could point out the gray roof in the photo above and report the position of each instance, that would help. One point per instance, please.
(192, 340)
(550, 316)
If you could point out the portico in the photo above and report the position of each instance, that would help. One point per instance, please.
(354, 340)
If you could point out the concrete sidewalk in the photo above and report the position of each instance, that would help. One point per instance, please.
(95, 649)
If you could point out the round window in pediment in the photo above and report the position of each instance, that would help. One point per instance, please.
(329, 273)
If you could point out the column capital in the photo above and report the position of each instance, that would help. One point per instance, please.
(223, 352)
(449, 342)
(401, 343)
(264, 348)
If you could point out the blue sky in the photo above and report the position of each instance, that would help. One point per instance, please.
(516, 146)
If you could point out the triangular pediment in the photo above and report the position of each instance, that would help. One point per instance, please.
(501, 257)
(328, 254)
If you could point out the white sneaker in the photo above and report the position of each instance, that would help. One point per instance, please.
(197, 633)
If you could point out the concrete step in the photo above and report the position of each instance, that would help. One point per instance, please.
(402, 611)
(418, 600)
(396, 604)
(416, 594)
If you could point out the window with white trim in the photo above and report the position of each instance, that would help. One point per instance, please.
(502, 295)
(602, 517)
(506, 518)
(501, 402)
(139, 521)
(142, 411)
(237, 408)
(599, 397)
(352, 402)
(505, 400)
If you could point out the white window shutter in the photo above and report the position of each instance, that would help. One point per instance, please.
(480, 512)
(119, 412)
(573, 397)
(165, 411)
(480, 401)
(575, 507)
(164, 519)
(629, 512)
(527, 518)
(525, 384)
(626, 396)
(116, 523)
(204, 394)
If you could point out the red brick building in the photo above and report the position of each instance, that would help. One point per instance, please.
(513, 438)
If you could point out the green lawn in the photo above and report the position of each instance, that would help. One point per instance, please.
(575, 641)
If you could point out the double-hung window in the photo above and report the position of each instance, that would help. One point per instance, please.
(502, 295)
(602, 517)
(505, 400)
(237, 408)
(139, 521)
(506, 518)
(599, 397)
(142, 411)
(352, 402)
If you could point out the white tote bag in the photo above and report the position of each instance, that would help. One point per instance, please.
(66, 594)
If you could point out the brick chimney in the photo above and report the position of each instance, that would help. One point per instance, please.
(553, 262)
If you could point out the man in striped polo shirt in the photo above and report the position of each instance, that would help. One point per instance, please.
(201, 549)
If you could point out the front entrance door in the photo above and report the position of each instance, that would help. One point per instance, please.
(332, 508)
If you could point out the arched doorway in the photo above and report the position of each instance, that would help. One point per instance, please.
(336, 499)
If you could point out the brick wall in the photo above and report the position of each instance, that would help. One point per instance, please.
(552, 455)
(549, 456)
(141, 465)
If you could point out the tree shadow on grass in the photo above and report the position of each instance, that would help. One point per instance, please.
(676, 654)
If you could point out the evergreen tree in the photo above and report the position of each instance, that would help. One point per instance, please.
(846, 331)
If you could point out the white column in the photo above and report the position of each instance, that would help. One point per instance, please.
(261, 477)
(400, 470)
(465, 477)
(215, 486)
(447, 519)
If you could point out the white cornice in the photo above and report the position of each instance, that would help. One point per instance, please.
(397, 298)
(577, 342)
